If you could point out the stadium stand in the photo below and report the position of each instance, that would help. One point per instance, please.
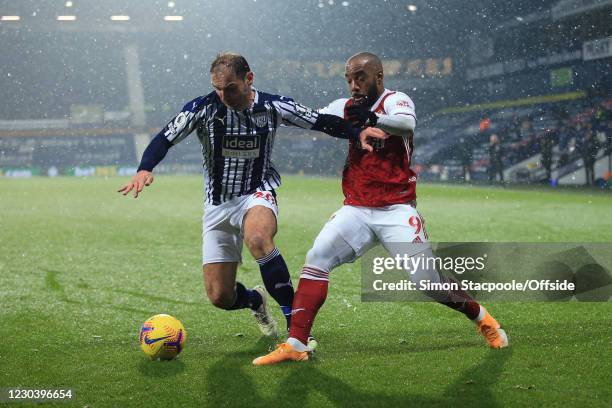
(101, 90)
(524, 132)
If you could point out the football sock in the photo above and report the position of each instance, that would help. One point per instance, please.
(246, 298)
(458, 299)
(276, 278)
(297, 345)
(462, 302)
(481, 314)
(470, 308)
(309, 298)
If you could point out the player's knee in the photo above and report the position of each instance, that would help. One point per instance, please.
(312, 254)
(259, 244)
(319, 258)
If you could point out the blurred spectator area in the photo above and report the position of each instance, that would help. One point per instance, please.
(72, 99)
(48, 80)
(443, 140)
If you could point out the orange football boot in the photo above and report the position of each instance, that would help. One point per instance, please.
(283, 352)
(492, 332)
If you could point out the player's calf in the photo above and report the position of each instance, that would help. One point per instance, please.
(309, 297)
(222, 299)
(246, 298)
(276, 278)
(460, 301)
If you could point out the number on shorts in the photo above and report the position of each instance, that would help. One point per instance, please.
(418, 224)
(415, 222)
(266, 196)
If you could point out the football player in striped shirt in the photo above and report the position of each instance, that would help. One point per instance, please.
(379, 207)
(236, 125)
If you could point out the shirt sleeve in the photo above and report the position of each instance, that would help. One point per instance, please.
(295, 114)
(335, 108)
(154, 153)
(176, 130)
(184, 122)
(400, 104)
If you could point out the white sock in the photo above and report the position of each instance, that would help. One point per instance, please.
(297, 345)
(481, 314)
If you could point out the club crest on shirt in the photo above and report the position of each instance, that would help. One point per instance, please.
(176, 125)
(241, 147)
(260, 120)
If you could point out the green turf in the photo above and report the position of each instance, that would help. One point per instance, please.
(81, 267)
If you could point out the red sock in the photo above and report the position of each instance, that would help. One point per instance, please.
(470, 308)
(462, 302)
(309, 297)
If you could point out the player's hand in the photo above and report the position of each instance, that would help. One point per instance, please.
(139, 181)
(360, 116)
(373, 133)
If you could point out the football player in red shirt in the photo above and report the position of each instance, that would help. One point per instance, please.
(379, 207)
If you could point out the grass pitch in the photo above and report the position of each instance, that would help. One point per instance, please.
(81, 268)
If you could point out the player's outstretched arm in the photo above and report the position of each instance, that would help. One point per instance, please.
(294, 114)
(174, 132)
(139, 181)
(339, 127)
(153, 154)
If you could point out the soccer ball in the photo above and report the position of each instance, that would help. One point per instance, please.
(162, 337)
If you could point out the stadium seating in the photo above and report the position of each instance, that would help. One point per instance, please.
(521, 129)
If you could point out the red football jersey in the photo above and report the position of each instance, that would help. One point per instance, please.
(382, 177)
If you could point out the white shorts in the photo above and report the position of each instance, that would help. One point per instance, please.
(222, 226)
(354, 230)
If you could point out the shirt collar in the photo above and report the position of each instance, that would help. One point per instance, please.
(380, 98)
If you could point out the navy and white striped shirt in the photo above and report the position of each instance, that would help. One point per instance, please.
(237, 145)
